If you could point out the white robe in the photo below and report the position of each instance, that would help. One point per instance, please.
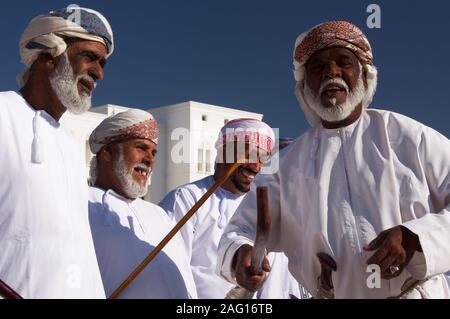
(201, 236)
(125, 232)
(46, 248)
(337, 189)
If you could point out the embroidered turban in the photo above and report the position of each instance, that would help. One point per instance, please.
(46, 33)
(248, 131)
(333, 34)
(133, 123)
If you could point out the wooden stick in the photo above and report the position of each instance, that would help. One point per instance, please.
(174, 230)
(7, 292)
(263, 226)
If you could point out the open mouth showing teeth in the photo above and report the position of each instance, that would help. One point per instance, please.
(141, 171)
(248, 173)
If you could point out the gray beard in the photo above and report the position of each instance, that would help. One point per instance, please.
(337, 112)
(132, 188)
(64, 85)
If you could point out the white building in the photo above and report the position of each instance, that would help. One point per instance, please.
(186, 149)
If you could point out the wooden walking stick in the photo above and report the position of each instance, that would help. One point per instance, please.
(325, 281)
(7, 292)
(176, 228)
(263, 226)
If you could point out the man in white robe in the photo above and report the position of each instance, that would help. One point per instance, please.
(368, 188)
(124, 227)
(202, 232)
(46, 248)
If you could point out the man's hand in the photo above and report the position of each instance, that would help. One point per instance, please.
(245, 277)
(394, 249)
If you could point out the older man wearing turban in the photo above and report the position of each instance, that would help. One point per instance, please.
(45, 242)
(124, 227)
(361, 202)
(202, 232)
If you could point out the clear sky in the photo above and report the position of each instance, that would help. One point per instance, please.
(238, 53)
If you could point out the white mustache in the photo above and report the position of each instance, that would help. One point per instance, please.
(334, 81)
(87, 78)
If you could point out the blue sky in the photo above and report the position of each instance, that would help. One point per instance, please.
(239, 53)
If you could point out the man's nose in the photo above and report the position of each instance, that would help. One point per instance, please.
(149, 160)
(96, 72)
(331, 71)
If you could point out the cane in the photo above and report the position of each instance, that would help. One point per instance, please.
(176, 228)
(7, 292)
(263, 226)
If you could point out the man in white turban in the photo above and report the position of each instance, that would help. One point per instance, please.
(360, 204)
(45, 241)
(124, 227)
(202, 232)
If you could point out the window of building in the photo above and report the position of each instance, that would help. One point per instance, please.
(208, 161)
(204, 118)
(200, 161)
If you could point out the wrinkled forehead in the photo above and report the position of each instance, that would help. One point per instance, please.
(78, 44)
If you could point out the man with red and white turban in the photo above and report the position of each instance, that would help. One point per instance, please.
(202, 232)
(46, 248)
(360, 204)
(124, 227)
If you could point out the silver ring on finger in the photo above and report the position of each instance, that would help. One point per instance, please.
(394, 269)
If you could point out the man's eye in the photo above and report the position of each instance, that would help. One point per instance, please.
(346, 63)
(316, 67)
(91, 57)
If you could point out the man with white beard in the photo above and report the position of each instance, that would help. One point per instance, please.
(124, 227)
(45, 242)
(361, 202)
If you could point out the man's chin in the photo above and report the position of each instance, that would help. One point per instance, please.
(137, 192)
(334, 113)
(244, 188)
(80, 107)
(78, 111)
(331, 102)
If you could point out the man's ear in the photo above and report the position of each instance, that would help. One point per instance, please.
(106, 153)
(364, 75)
(47, 61)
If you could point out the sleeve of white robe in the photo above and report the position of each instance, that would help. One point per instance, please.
(433, 229)
(242, 227)
(176, 204)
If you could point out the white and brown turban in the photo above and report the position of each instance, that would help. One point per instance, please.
(46, 33)
(126, 125)
(248, 131)
(327, 35)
